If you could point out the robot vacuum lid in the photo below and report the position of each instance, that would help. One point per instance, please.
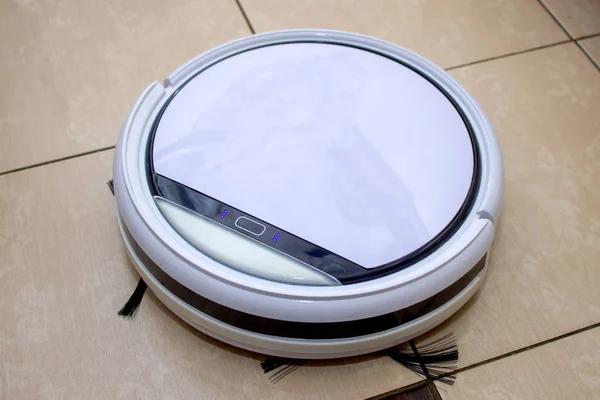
(354, 154)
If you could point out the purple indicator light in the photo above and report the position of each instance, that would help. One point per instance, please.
(223, 214)
(276, 237)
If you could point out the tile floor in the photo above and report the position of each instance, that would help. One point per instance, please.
(69, 72)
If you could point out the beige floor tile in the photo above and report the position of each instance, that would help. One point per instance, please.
(579, 17)
(70, 70)
(544, 278)
(63, 277)
(447, 32)
(565, 369)
(592, 48)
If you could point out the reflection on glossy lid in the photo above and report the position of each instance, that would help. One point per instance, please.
(342, 147)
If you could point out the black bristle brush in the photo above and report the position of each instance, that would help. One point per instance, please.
(111, 186)
(278, 368)
(436, 360)
(132, 305)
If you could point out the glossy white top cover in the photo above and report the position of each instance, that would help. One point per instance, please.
(342, 147)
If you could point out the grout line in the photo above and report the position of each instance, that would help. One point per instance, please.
(245, 16)
(576, 40)
(545, 46)
(404, 389)
(555, 18)
(87, 153)
(523, 349)
(588, 36)
(587, 54)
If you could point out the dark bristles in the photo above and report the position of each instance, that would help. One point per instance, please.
(436, 360)
(272, 363)
(111, 186)
(130, 308)
(283, 373)
(280, 367)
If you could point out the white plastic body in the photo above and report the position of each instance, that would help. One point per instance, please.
(289, 302)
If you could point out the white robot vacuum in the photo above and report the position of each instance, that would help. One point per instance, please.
(309, 194)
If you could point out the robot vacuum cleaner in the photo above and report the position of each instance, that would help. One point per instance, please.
(309, 194)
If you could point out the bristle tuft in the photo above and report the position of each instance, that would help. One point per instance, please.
(436, 360)
(132, 305)
(279, 367)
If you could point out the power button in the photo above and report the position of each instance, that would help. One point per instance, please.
(251, 226)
